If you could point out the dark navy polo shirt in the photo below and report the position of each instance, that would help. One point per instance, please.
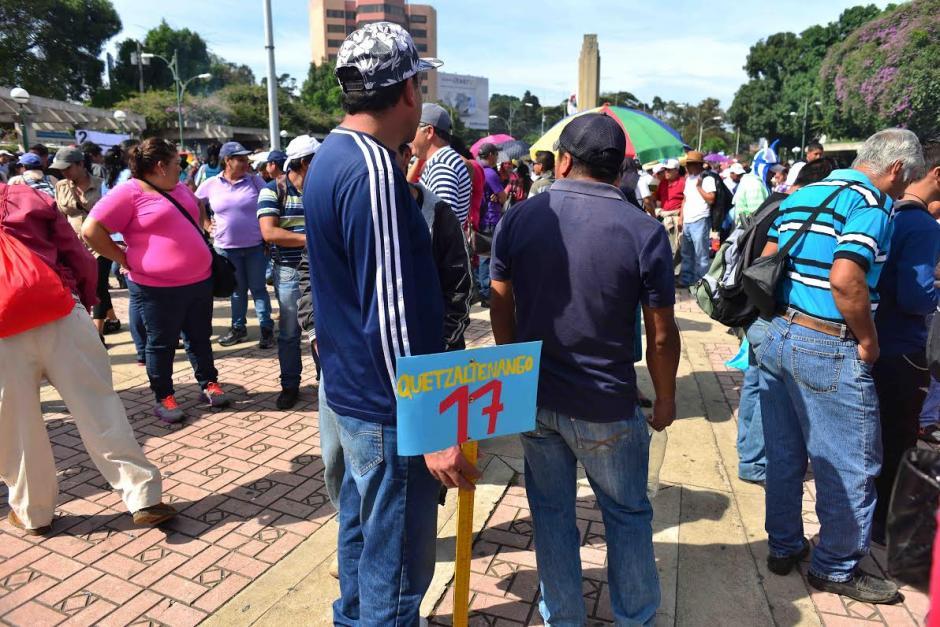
(581, 258)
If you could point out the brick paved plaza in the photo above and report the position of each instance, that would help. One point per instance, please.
(256, 532)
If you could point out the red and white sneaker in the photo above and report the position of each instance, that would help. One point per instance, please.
(215, 395)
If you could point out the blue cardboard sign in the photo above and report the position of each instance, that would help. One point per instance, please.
(448, 398)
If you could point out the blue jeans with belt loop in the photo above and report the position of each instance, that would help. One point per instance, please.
(615, 457)
(250, 266)
(818, 401)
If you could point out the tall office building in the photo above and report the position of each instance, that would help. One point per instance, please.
(332, 20)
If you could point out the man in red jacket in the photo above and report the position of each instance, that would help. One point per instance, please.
(69, 353)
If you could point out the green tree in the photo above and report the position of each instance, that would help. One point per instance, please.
(783, 71)
(885, 73)
(51, 47)
(621, 99)
(190, 47)
(159, 108)
(320, 90)
(225, 73)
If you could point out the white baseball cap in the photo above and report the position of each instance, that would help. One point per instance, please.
(671, 164)
(302, 146)
(737, 168)
(658, 168)
(793, 173)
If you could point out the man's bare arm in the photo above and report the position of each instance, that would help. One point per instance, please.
(850, 291)
(502, 312)
(662, 358)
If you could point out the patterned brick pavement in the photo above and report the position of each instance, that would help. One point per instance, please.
(248, 481)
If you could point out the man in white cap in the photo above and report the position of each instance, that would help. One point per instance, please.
(735, 172)
(669, 196)
(281, 216)
(377, 297)
(445, 173)
(6, 158)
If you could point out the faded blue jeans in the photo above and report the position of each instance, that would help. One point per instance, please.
(287, 290)
(615, 457)
(387, 528)
(331, 450)
(818, 401)
(250, 266)
(752, 461)
(695, 250)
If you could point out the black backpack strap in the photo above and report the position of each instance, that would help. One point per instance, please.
(185, 213)
(783, 252)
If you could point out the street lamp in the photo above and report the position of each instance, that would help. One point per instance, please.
(512, 112)
(180, 85)
(701, 128)
(21, 97)
(119, 117)
(818, 103)
(283, 134)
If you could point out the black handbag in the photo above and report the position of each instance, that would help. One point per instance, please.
(912, 518)
(759, 280)
(481, 243)
(223, 272)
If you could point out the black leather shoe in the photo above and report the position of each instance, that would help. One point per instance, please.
(861, 587)
(234, 336)
(287, 398)
(111, 326)
(783, 565)
(267, 338)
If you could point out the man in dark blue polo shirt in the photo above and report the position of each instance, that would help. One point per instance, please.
(817, 394)
(908, 296)
(569, 268)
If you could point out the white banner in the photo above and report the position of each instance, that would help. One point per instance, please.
(105, 140)
(469, 95)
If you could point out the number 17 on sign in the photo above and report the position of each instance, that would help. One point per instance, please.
(462, 398)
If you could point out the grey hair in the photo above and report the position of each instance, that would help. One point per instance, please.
(891, 145)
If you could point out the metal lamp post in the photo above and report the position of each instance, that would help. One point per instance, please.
(701, 129)
(21, 97)
(512, 113)
(180, 85)
(817, 103)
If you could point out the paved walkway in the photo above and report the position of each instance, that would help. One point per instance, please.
(256, 534)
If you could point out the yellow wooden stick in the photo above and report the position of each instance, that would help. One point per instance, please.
(464, 545)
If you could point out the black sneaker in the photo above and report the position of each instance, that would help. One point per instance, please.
(234, 336)
(267, 338)
(111, 326)
(287, 398)
(783, 565)
(861, 587)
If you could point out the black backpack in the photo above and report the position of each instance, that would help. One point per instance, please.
(719, 293)
(719, 209)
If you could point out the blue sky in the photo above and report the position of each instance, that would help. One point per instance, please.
(677, 50)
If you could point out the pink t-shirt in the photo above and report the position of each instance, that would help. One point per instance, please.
(163, 247)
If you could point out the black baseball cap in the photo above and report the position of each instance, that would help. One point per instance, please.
(594, 138)
(487, 149)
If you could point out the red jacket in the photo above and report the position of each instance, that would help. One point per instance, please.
(33, 218)
(670, 194)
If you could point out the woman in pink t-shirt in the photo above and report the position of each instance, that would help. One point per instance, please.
(168, 265)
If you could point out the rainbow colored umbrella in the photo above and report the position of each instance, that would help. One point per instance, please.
(648, 138)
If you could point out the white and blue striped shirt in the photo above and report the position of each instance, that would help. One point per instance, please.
(447, 176)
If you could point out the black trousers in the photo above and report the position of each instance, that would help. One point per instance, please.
(901, 383)
(100, 311)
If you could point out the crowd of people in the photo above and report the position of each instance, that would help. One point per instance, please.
(378, 241)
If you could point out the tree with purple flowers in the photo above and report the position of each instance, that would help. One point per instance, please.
(885, 73)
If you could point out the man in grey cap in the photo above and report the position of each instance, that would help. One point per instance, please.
(445, 172)
(554, 257)
(377, 297)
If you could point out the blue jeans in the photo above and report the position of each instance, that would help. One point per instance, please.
(167, 311)
(331, 450)
(135, 321)
(930, 414)
(615, 457)
(752, 461)
(483, 276)
(818, 400)
(387, 528)
(695, 250)
(287, 289)
(250, 265)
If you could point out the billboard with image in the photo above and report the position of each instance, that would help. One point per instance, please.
(469, 95)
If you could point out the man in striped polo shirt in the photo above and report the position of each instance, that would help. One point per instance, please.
(817, 394)
(281, 215)
(445, 172)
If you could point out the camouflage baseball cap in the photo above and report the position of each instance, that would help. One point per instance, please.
(379, 55)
